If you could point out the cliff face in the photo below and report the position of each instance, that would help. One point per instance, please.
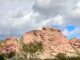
(52, 39)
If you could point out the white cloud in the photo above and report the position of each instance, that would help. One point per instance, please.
(12, 16)
(78, 4)
(54, 7)
(75, 32)
(58, 20)
(65, 32)
(17, 17)
(67, 8)
(43, 3)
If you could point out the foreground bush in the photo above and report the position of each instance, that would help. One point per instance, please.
(61, 56)
(32, 47)
(2, 57)
(64, 57)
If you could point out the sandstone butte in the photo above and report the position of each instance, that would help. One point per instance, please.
(53, 41)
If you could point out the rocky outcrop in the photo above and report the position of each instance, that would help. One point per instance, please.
(10, 45)
(75, 44)
(52, 39)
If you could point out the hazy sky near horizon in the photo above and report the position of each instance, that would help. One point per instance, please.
(19, 16)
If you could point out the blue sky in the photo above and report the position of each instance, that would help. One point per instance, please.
(70, 28)
(20, 16)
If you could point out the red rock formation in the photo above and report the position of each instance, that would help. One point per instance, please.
(10, 45)
(53, 40)
(75, 42)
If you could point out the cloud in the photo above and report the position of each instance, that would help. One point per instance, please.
(65, 32)
(11, 14)
(19, 16)
(67, 8)
(18, 24)
(74, 17)
(54, 7)
(76, 31)
(58, 20)
(43, 3)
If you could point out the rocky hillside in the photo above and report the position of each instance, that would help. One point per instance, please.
(52, 40)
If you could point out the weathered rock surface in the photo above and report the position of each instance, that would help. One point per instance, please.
(75, 44)
(10, 45)
(52, 39)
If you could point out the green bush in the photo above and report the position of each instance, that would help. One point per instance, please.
(64, 57)
(61, 56)
(49, 59)
(2, 57)
(34, 59)
(32, 47)
(10, 55)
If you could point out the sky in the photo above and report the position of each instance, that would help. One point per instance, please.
(20, 16)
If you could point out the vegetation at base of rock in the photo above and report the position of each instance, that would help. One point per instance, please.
(10, 55)
(61, 56)
(2, 57)
(32, 47)
(7, 56)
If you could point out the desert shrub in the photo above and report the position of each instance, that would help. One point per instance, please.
(73, 58)
(17, 58)
(32, 47)
(10, 55)
(34, 59)
(49, 59)
(2, 57)
(61, 56)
